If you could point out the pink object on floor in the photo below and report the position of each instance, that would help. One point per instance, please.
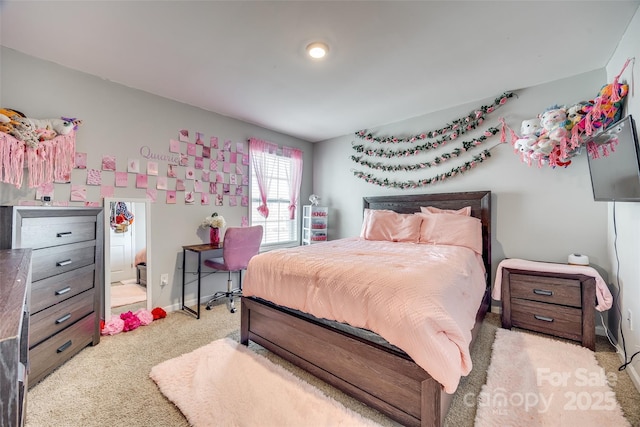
(145, 316)
(131, 321)
(603, 295)
(114, 326)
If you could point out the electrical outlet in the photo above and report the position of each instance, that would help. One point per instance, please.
(164, 279)
(630, 319)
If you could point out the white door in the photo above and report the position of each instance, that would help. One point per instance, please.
(121, 251)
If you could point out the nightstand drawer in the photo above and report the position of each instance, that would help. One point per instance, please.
(552, 290)
(45, 232)
(556, 320)
(56, 318)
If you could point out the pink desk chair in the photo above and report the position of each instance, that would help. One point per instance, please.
(240, 245)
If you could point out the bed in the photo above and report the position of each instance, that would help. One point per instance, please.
(359, 362)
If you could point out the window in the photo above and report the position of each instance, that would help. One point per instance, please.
(278, 171)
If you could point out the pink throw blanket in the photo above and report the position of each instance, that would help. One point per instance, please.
(421, 298)
(603, 295)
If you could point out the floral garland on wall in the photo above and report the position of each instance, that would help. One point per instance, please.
(466, 146)
(443, 135)
(403, 185)
(455, 128)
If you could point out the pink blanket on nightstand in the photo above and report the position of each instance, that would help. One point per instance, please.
(603, 295)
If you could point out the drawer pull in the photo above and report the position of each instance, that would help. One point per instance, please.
(63, 291)
(64, 346)
(63, 318)
(543, 292)
(63, 263)
(64, 234)
(543, 318)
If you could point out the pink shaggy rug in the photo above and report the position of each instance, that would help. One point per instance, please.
(539, 381)
(224, 383)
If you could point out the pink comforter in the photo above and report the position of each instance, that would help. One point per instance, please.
(421, 298)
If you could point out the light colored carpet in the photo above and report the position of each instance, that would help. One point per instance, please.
(224, 383)
(109, 384)
(129, 293)
(545, 382)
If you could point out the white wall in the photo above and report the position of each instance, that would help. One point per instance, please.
(538, 214)
(624, 229)
(118, 121)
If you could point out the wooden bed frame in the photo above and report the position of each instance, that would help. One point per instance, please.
(381, 377)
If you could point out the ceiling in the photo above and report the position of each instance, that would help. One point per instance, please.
(388, 60)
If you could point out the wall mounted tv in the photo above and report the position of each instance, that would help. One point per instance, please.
(616, 177)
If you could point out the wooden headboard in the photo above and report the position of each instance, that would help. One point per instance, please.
(480, 202)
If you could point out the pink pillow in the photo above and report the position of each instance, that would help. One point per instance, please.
(457, 230)
(391, 226)
(466, 211)
(365, 220)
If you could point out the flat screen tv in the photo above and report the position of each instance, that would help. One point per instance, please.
(616, 177)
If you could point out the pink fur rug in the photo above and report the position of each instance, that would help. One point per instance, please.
(224, 383)
(539, 381)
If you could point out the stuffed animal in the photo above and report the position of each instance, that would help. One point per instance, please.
(553, 122)
(6, 127)
(45, 134)
(32, 131)
(24, 131)
(62, 126)
(7, 121)
(575, 114)
(543, 146)
(529, 131)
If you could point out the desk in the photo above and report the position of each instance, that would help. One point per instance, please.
(198, 249)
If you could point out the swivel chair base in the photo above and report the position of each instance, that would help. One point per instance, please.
(230, 293)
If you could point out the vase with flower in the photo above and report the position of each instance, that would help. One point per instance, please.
(214, 223)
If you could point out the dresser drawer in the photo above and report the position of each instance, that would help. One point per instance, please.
(55, 351)
(553, 290)
(45, 232)
(49, 262)
(551, 319)
(55, 289)
(56, 318)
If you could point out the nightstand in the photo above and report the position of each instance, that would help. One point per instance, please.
(558, 304)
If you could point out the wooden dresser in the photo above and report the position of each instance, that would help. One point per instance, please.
(15, 282)
(67, 279)
(557, 304)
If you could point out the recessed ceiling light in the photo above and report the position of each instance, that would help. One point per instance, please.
(317, 50)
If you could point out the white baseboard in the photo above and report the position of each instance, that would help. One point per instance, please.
(630, 369)
(190, 303)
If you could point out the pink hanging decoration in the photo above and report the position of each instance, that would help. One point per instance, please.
(65, 150)
(11, 160)
(51, 160)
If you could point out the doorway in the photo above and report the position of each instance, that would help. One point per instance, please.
(127, 255)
